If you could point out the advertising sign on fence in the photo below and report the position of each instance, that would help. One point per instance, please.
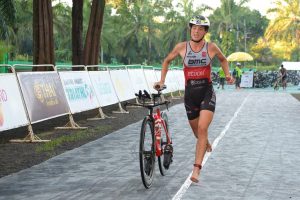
(79, 91)
(12, 111)
(173, 81)
(122, 84)
(138, 80)
(151, 79)
(180, 76)
(43, 94)
(104, 88)
(170, 81)
(247, 79)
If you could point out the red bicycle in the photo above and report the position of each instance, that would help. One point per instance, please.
(155, 140)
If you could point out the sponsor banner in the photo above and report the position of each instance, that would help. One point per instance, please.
(12, 111)
(122, 84)
(43, 94)
(247, 79)
(79, 91)
(138, 80)
(180, 77)
(151, 79)
(103, 87)
(172, 81)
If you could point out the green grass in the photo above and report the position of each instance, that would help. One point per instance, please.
(73, 137)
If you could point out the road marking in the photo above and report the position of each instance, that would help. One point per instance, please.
(188, 182)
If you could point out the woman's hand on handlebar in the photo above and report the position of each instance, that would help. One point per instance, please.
(159, 86)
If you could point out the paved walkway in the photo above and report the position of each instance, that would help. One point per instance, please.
(256, 157)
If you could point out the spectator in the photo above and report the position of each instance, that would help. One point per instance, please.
(221, 78)
(283, 76)
(237, 73)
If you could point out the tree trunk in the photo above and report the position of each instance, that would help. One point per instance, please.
(92, 42)
(77, 29)
(149, 45)
(43, 43)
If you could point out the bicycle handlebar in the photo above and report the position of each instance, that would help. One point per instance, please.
(145, 95)
(158, 88)
(147, 105)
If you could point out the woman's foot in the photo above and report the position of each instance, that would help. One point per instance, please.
(208, 147)
(196, 173)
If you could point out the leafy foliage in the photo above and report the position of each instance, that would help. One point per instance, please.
(7, 17)
(283, 32)
(144, 31)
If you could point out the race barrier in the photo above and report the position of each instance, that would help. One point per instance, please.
(39, 96)
(138, 79)
(12, 110)
(150, 78)
(43, 95)
(103, 88)
(122, 85)
(70, 93)
(170, 81)
(180, 78)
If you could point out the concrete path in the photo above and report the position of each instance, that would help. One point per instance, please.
(256, 157)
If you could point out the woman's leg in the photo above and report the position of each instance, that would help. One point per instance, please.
(204, 121)
(194, 126)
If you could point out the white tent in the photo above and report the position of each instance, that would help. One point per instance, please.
(291, 65)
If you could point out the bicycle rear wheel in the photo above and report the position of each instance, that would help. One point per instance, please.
(147, 152)
(165, 159)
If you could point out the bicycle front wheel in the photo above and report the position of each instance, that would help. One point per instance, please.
(147, 152)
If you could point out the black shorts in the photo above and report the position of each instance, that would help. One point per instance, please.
(199, 95)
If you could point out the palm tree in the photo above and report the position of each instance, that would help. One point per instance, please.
(135, 30)
(77, 29)
(286, 25)
(227, 24)
(92, 41)
(62, 31)
(176, 23)
(21, 37)
(7, 17)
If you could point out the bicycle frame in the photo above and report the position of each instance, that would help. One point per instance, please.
(160, 145)
(159, 123)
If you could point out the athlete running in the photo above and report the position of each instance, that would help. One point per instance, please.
(283, 76)
(199, 98)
